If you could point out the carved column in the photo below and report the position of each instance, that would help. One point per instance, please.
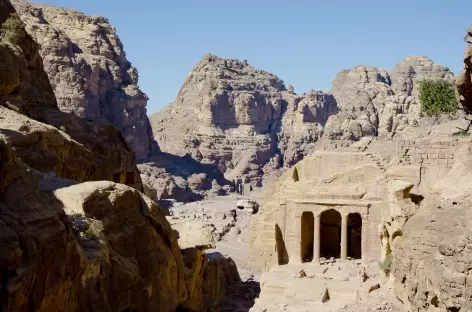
(344, 238)
(296, 243)
(364, 236)
(317, 242)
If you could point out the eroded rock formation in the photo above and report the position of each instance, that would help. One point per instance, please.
(48, 139)
(464, 79)
(229, 114)
(373, 102)
(92, 79)
(88, 70)
(71, 246)
(246, 122)
(433, 257)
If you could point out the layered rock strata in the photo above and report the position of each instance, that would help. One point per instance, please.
(48, 139)
(88, 70)
(71, 246)
(230, 114)
(374, 102)
(248, 124)
(92, 79)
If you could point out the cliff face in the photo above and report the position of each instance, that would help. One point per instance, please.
(433, 258)
(248, 124)
(71, 246)
(464, 80)
(374, 102)
(230, 114)
(88, 70)
(92, 79)
(44, 137)
(225, 114)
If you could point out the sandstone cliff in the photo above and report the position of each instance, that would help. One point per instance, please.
(432, 256)
(91, 78)
(71, 246)
(248, 124)
(88, 70)
(44, 137)
(373, 102)
(231, 115)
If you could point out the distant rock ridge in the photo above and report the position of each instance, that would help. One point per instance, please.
(247, 123)
(230, 114)
(88, 70)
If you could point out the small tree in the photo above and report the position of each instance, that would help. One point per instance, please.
(13, 29)
(437, 96)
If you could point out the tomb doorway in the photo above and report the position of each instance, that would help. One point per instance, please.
(307, 236)
(354, 232)
(330, 234)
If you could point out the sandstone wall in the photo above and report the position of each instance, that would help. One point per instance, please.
(241, 120)
(88, 70)
(432, 257)
(70, 246)
(433, 253)
(46, 138)
(267, 127)
(434, 155)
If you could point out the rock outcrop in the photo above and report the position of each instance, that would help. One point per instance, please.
(87, 67)
(373, 102)
(249, 125)
(94, 246)
(433, 257)
(464, 79)
(44, 137)
(167, 176)
(230, 115)
(71, 246)
(88, 70)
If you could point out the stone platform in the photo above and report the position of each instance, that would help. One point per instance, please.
(328, 286)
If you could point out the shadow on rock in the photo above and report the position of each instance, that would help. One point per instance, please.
(241, 296)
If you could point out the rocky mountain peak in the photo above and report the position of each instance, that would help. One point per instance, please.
(235, 75)
(415, 68)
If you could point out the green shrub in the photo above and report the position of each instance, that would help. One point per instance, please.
(437, 96)
(13, 29)
(93, 230)
(387, 264)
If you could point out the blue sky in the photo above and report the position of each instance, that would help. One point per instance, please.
(306, 43)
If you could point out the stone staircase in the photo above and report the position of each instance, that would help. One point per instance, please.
(378, 160)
